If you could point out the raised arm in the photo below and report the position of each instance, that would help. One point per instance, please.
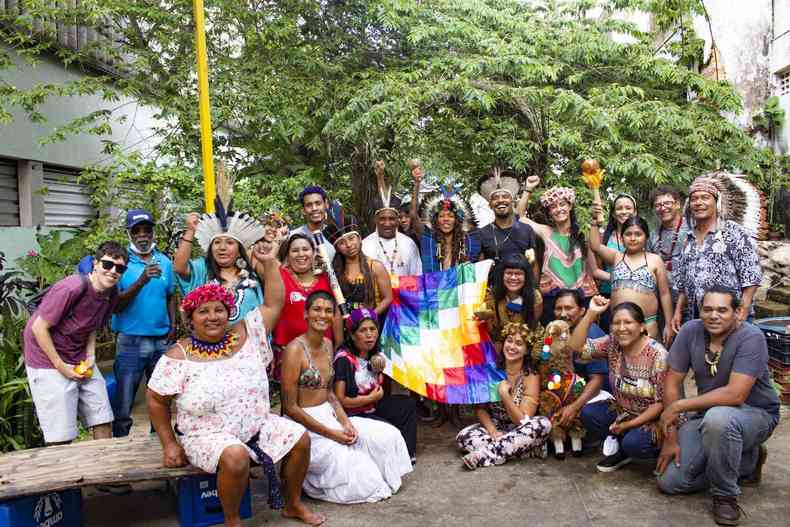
(530, 185)
(607, 254)
(416, 224)
(268, 268)
(578, 339)
(184, 251)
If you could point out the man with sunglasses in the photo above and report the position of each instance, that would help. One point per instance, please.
(59, 336)
(144, 317)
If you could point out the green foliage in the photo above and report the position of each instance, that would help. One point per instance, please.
(771, 117)
(60, 252)
(18, 426)
(316, 91)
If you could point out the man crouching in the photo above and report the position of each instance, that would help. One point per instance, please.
(737, 409)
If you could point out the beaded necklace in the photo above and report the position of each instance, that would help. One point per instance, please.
(391, 260)
(212, 350)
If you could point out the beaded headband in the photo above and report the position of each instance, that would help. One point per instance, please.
(705, 184)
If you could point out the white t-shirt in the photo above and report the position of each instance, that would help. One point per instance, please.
(399, 255)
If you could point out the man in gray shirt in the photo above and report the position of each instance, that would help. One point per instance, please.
(734, 414)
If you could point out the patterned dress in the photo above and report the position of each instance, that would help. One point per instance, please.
(527, 439)
(563, 272)
(728, 257)
(636, 383)
(223, 403)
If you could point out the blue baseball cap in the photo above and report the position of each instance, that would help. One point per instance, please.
(137, 216)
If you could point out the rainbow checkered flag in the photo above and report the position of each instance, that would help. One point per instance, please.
(432, 342)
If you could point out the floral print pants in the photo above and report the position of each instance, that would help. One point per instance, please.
(525, 440)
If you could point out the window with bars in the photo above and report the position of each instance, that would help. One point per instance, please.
(784, 82)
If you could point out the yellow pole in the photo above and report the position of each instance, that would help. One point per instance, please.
(206, 144)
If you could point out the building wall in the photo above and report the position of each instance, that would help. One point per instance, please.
(20, 141)
(780, 66)
(743, 34)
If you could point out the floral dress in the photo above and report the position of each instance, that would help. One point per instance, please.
(527, 439)
(225, 402)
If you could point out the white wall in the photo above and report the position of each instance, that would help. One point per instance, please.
(742, 31)
(780, 60)
(20, 138)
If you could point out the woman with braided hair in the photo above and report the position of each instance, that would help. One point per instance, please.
(567, 262)
(509, 429)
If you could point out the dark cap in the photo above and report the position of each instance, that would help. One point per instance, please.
(137, 216)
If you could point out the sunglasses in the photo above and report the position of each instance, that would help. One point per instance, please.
(109, 264)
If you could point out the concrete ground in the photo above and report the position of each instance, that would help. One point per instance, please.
(441, 492)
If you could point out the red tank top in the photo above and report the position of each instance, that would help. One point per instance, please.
(292, 321)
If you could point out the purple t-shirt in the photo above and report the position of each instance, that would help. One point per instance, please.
(72, 318)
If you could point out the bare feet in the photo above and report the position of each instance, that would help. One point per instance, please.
(304, 514)
(234, 523)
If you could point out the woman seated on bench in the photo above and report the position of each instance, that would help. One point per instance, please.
(217, 377)
(352, 460)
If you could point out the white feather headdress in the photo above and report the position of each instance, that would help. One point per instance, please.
(239, 226)
(498, 179)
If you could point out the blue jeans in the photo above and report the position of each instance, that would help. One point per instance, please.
(134, 355)
(716, 449)
(637, 443)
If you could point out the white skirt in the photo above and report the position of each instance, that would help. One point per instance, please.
(367, 471)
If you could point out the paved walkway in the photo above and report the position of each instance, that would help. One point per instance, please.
(440, 492)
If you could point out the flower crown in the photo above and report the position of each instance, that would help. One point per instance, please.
(556, 194)
(208, 293)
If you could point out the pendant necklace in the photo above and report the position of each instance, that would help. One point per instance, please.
(712, 357)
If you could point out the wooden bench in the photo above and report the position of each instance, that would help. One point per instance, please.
(98, 462)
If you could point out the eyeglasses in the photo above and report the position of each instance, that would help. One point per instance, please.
(664, 204)
(109, 264)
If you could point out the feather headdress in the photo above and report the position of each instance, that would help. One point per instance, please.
(498, 180)
(241, 227)
(741, 202)
(448, 198)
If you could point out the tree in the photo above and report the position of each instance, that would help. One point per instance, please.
(316, 91)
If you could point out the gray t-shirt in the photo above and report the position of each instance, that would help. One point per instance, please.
(744, 352)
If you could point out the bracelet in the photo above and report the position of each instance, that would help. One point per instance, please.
(188, 241)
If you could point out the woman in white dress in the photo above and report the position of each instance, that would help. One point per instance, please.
(352, 460)
(217, 378)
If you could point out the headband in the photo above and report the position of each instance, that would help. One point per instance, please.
(358, 316)
(705, 184)
(556, 194)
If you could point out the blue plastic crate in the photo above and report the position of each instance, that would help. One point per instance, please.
(54, 509)
(198, 502)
